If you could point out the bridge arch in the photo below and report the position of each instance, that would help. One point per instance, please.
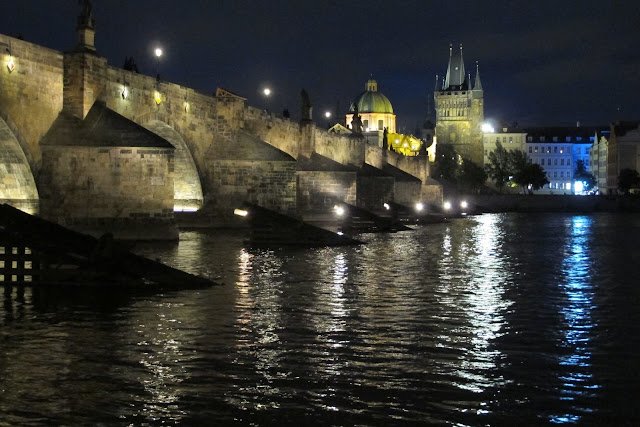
(186, 183)
(17, 184)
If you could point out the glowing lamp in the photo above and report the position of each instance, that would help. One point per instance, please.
(339, 210)
(419, 207)
(464, 204)
(158, 52)
(157, 97)
(487, 128)
(125, 93)
(11, 65)
(327, 114)
(446, 205)
(186, 107)
(266, 91)
(386, 206)
(240, 212)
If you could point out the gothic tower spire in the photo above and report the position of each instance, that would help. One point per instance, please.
(455, 71)
(478, 84)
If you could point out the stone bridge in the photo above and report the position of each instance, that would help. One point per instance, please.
(87, 144)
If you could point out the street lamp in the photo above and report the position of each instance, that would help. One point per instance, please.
(327, 115)
(266, 91)
(158, 54)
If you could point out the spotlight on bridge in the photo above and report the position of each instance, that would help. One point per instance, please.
(125, 93)
(464, 204)
(446, 205)
(240, 212)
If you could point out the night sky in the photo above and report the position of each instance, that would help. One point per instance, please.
(541, 62)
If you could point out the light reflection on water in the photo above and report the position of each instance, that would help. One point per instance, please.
(576, 368)
(496, 319)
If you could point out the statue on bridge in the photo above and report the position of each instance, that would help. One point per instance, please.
(86, 15)
(356, 123)
(305, 115)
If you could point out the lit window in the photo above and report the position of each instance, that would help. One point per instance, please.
(548, 149)
(536, 149)
(510, 140)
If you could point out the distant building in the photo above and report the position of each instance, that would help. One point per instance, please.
(460, 109)
(598, 160)
(375, 110)
(558, 149)
(510, 139)
(376, 115)
(623, 151)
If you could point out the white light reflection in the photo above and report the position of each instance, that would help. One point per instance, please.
(486, 304)
(258, 320)
(578, 380)
(474, 280)
(164, 353)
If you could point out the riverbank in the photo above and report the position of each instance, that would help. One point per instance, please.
(553, 203)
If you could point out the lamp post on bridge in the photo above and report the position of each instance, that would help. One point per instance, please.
(158, 53)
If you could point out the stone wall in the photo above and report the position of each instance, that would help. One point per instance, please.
(90, 183)
(271, 184)
(318, 191)
(375, 191)
(282, 133)
(31, 94)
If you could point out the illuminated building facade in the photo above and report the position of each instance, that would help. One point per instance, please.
(374, 108)
(460, 109)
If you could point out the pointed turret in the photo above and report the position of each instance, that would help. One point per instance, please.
(455, 71)
(478, 83)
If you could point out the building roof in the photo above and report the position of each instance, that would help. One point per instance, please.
(456, 78)
(102, 127)
(572, 134)
(372, 101)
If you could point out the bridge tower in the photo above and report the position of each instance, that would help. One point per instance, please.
(460, 109)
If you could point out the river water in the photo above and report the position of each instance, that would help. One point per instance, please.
(488, 320)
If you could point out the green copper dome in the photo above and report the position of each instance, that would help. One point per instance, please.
(372, 101)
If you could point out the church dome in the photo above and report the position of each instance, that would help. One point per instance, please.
(372, 101)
